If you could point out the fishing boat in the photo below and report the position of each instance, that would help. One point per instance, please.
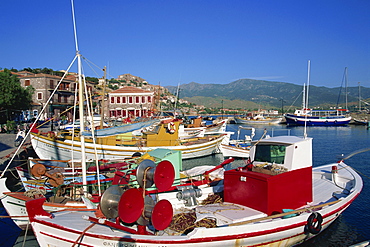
(310, 117)
(65, 191)
(197, 125)
(278, 199)
(164, 135)
(238, 148)
(49, 174)
(258, 119)
(360, 121)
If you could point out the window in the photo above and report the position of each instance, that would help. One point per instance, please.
(124, 100)
(27, 83)
(270, 153)
(130, 100)
(149, 99)
(112, 100)
(39, 96)
(137, 100)
(51, 83)
(118, 100)
(143, 99)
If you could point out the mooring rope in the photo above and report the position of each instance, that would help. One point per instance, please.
(82, 233)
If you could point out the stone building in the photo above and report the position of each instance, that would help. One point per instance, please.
(44, 85)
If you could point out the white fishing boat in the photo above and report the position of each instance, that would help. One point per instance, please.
(238, 148)
(258, 119)
(197, 129)
(164, 135)
(278, 199)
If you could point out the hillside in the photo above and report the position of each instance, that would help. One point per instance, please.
(254, 93)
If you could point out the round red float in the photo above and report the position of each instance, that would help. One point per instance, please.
(131, 205)
(162, 215)
(164, 175)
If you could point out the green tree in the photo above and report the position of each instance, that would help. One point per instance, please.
(13, 95)
(93, 79)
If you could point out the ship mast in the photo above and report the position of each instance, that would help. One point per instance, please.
(81, 104)
(308, 83)
(103, 98)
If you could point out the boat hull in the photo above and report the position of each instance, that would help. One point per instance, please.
(48, 148)
(260, 121)
(272, 234)
(257, 232)
(232, 151)
(15, 205)
(316, 121)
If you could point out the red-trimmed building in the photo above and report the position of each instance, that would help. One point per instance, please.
(130, 102)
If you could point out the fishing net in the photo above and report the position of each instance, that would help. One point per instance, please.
(186, 221)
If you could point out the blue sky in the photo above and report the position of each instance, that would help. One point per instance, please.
(205, 41)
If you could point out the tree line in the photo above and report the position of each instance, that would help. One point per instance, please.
(14, 98)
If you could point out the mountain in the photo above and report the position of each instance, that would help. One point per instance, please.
(268, 94)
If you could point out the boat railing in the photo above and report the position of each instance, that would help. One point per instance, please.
(273, 131)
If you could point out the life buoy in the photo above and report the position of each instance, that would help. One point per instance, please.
(314, 223)
(171, 127)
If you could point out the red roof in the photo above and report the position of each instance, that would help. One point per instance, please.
(131, 90)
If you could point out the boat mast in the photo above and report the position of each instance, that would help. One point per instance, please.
(304, 98)
(346, 81)
(308, 83)
(359, 97)
(103, 98)
(81, 103)
(177, 99)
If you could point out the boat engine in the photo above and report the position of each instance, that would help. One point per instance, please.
(189, 194)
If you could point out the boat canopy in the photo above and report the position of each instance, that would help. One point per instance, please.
(120, 129)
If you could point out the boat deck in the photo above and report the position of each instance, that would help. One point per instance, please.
(324, 186)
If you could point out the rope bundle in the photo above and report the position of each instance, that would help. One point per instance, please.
(35, 193)
(186, 221)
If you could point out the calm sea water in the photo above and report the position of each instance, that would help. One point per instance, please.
(329, 143)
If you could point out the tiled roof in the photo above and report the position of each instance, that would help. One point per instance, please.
(13, 73)
(132, 90)
(41, 75)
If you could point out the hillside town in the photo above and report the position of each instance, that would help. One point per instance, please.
(126, 97)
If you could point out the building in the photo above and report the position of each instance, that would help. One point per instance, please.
(62, 101)
(130, 102)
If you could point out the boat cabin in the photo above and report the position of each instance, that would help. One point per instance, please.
(280, 178)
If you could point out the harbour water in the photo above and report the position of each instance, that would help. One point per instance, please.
(329, 144)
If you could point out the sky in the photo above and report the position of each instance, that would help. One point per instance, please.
(172, 42)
